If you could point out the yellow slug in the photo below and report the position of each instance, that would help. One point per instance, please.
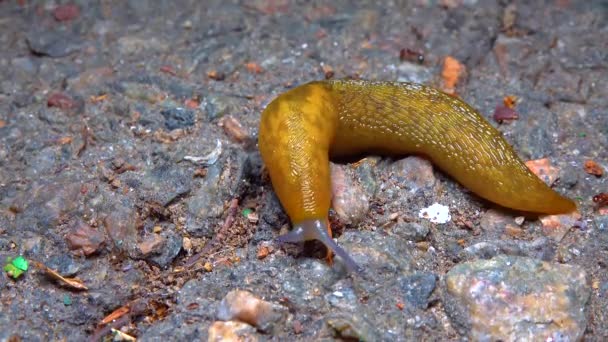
(304, 127)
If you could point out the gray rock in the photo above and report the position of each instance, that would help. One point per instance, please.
(349, 199)
(177, 118)
(413, 173)
(245, 307)
(224, 180)
(541, 248)
(515, 298)
(417, 288)
(165, 183)
(601, 222)
(53, 43)
(353, 326)
(217, 106)
(64, 264)
(411, 231)
(171, 247)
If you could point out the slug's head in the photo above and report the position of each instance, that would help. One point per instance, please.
(318, 230)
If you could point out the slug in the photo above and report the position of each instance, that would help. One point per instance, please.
(304, 127)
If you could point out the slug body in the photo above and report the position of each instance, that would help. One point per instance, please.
(304, 127)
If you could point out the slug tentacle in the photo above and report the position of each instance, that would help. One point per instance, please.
(318, 230)
(304, 126)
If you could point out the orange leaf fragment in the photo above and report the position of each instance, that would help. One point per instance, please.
(593, 168)
(452, 70)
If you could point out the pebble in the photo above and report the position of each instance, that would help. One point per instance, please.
(83, 239)
(243, 306)
(53, 43)
(121, 227)
(231, 331)
(557, 226)
(417, 288)
(66, 12)
(413, 173)
(165, 183)
(178, 117)
(349, 200)
(64, 264)
(514, 298)
(601, 222)
(216, 106)
(541, 248)
(352, 327)
(494, 222)
(172, 245)
(411, 231)
(544, 170)
(234, 129)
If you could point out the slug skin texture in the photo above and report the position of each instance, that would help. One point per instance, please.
(304, 127)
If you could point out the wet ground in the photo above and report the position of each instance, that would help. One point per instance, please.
(128, 163)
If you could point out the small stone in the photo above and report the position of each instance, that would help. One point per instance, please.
(413, 173)
(151, 244)
(417, 288)
(494, 222)
(216, 75)
(121, 227)
(411, 231)
(519, 220)
(245, 307)
(165, 183)
(82, 239)
(53, 43)
(234, 129)
(557, 226)
(170, 246)
(352, 327)
(64, 264)
(349, 200)
(593, 168)
(217, 106)
(61, 101)
(514, 231)
(516, 298)
(66, 12)
(32, 244)
(423, 245)
(544, 170)
(178, 118)
(253, 217)
(601, 222)
(231, 331)
(263, 252)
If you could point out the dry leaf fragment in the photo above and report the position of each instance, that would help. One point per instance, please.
(116, 314)
(72, 283)
(593, 168)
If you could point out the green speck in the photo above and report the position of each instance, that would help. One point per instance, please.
(20, 262)
(16, 267)
(67, 300)
(578, 198)
(582, 134)
(246, 212)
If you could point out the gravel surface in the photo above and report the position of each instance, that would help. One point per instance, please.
(128, 165)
